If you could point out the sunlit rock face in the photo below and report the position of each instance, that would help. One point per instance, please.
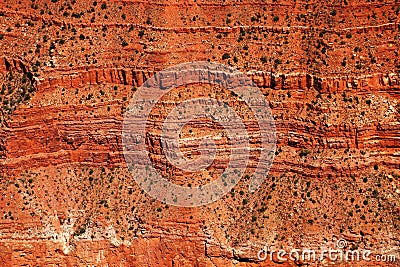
(68, 70)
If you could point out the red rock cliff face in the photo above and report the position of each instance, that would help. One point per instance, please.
(329, 71)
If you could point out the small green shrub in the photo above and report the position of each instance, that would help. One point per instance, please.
(304, 152)
(225, 56)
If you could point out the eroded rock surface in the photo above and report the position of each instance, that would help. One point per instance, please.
(68, 69)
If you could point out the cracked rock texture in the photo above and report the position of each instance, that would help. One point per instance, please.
(68, 69)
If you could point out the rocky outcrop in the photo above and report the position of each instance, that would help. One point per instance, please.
(329, 72)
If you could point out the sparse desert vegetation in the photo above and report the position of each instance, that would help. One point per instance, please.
(68, 69)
